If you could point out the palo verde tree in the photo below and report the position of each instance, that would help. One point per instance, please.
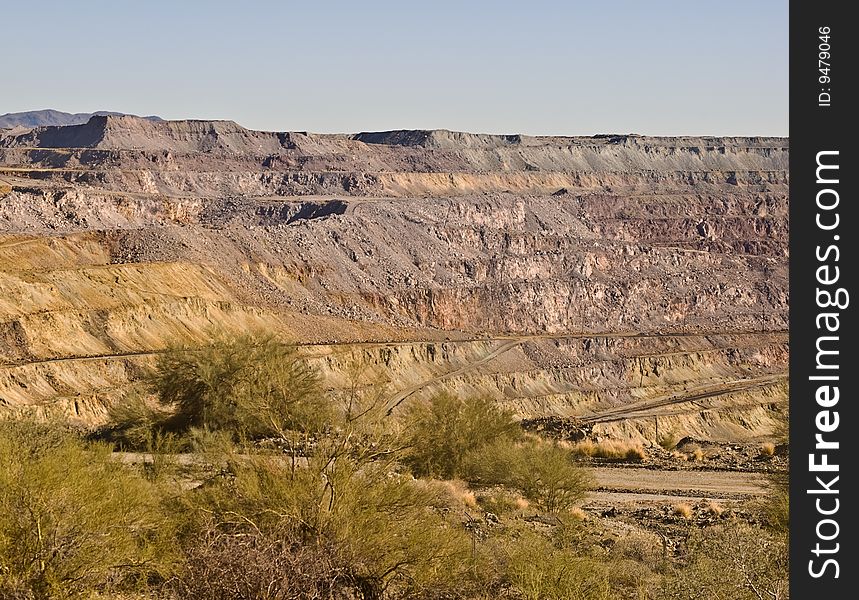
(249, 387)
(443, 431)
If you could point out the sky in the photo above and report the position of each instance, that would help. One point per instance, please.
(660, 67)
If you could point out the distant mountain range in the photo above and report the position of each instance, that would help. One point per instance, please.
(39, 118)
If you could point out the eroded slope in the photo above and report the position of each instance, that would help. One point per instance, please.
(616, 278)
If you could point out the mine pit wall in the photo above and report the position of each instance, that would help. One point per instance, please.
(156, 233)
(584, 307)
(577, 377)
(501, 270)
(218, 184)
(581, 377)
(89, 312)
(739, 418)
(118, 142)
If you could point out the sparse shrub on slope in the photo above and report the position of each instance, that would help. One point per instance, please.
(444, 430)
(72, 519)
(474, 439)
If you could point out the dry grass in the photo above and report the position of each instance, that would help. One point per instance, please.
(639, 546)
(683, 510)
(714, 508)
(767, 449)
(502, 502)
(457, 492)
(521, 503)
(636, 453)
(577, 513)
(613, 449)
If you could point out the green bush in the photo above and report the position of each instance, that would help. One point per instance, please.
(544, 472)
(72, 519)
(734, 561)
(500, 502)
(382, 526)
(251, 386)
(776, 506)
(537, 570)
(132, 423)
(441, 432)
(250, 383)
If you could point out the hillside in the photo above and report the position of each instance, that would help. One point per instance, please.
(42, 118)
(622, 279)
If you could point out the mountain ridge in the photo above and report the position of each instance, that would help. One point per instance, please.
(51, 117)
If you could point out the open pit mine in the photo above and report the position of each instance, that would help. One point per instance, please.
(618, 285)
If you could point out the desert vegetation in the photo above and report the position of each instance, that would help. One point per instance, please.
(233, 474)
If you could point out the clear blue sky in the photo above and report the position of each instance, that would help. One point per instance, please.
(531, 66)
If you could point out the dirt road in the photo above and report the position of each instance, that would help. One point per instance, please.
(640, 485)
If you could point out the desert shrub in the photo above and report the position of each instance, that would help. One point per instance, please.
(631, 579)
(441, 432)
(635, 453)
(610, 449)
(248, 383)
(501, 502)
(262, 565)
(133, 423)
(387, 534)
(683, 510)
(32, 439)
(453, 494)
(160, 460)
(714, 508)
(214, 445)
(631, 564)
(669, 440)
(776, 505)
(573, 531)
(767, 449)
(640, 546)
(734, 561)
(544, 472)
(577, 513)
(536, 569)
(251, 386)
(696, 454)
(72, 519)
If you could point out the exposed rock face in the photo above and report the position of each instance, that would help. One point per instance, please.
(566, 276)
